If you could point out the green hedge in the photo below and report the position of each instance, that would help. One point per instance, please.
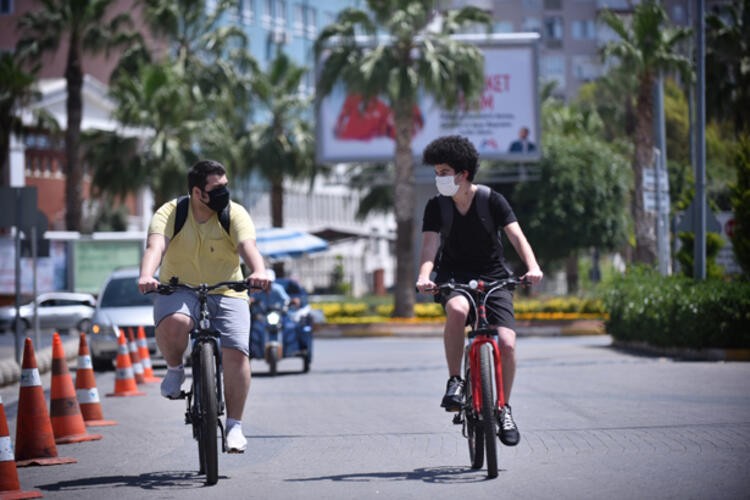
(677, 311)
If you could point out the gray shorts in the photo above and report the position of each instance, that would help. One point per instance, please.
(229, 315)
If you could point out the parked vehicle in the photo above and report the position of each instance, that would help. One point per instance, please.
(120, 306)
(281, 330)
(56, 310)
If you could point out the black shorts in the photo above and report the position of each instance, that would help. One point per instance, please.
(499, 308)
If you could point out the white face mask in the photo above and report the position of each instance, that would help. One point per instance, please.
(446, 185)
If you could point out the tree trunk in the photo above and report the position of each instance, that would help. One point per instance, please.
(571, 272)
(405, 295)
(73, 167)
(277, 217)
(645, 222)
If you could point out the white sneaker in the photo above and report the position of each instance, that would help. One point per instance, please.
(236, 442)
(171, 386)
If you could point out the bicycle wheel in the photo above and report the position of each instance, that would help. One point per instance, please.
(474, 432)
(208, 414)
(489, 426)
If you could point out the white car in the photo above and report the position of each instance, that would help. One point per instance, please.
(120, 306)
(56, 310)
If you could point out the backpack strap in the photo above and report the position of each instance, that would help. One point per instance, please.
(181, 213)
(183, 204)
(483, 210)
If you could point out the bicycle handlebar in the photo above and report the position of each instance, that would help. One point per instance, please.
(174, 284)
(480, 285)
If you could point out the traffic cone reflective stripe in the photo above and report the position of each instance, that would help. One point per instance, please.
(124, 378)
(65, 414)
(148, 370)
(35, 439)
(86, 392)
(135, 359)
(9, 485)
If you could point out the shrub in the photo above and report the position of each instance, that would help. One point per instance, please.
(679, 312)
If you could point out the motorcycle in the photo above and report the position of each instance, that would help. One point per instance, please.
(280, 331)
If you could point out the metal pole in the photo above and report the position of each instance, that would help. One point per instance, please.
(662, 231)
(18, 276)
(34, 251)
(699, 247)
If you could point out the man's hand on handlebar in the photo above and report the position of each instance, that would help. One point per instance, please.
(426, 286)
(147, 284)
(533, 276)
(259, 281)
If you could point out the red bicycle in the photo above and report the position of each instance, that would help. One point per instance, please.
(483, 388)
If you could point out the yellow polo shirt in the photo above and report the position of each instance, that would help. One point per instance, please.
(203, 253)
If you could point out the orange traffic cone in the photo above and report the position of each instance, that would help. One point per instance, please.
(135, 359)
(35, 440)
(65, 414)
(9, 485)
(86, 391)
(148, 370)
(124, 378)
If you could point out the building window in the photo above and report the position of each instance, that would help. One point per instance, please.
(531, 24)
(280, 17)
(6, 7)
(585, 68)
(552, 4)
(245, 11)
(583, 30)
(267, 14)
(298, 20)
(553, 28)
(532, 4)
(552, 69)
(678, 14)
(311, 22)
(503, 27)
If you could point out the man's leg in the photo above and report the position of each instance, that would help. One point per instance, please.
(236, 381)
(456, 310)
(507, 346)
(508, 431)
(172, 337)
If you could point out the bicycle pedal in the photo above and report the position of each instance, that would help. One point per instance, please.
(458, 419)
(182, 395)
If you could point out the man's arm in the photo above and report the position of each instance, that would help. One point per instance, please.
(249, 252)
(518, 240)
(156, 245)
(430, 245)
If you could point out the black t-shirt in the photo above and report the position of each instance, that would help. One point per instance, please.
(470, 251)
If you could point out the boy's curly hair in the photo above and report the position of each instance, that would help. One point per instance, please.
(453, 150)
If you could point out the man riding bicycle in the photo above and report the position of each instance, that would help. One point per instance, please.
(200, 249)
(469, 251)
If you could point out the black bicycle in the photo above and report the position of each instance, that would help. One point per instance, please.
(483, 389)
(205, 400)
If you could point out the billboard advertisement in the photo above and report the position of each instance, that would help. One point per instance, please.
(504, 125)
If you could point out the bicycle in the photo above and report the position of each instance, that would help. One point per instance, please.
(205, 401)
(482, 368)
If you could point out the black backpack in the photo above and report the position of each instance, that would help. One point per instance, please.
(183, 204)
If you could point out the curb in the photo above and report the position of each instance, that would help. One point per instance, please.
(683, 353)
(10, 371)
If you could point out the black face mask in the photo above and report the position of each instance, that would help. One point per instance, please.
(218, 198)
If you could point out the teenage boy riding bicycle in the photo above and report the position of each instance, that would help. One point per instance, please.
(470, 252)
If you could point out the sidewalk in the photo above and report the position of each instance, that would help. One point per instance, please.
(10, 371)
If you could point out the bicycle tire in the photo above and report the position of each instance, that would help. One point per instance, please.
(489, 425)
(208, 414)
(474, 432)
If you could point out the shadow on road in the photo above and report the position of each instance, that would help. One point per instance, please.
(436, 475)
(165, 480)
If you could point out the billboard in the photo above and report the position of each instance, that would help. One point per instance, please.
(504, 125)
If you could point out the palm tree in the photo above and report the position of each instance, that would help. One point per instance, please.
(282, 140)
(83, 25)
(647, 47)
(16, 90)
(418, 55)
(728, 64)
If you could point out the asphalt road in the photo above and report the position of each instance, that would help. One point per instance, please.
(365, 423)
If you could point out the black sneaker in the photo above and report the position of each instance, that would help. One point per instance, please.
(508, 432)
(454, 391)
